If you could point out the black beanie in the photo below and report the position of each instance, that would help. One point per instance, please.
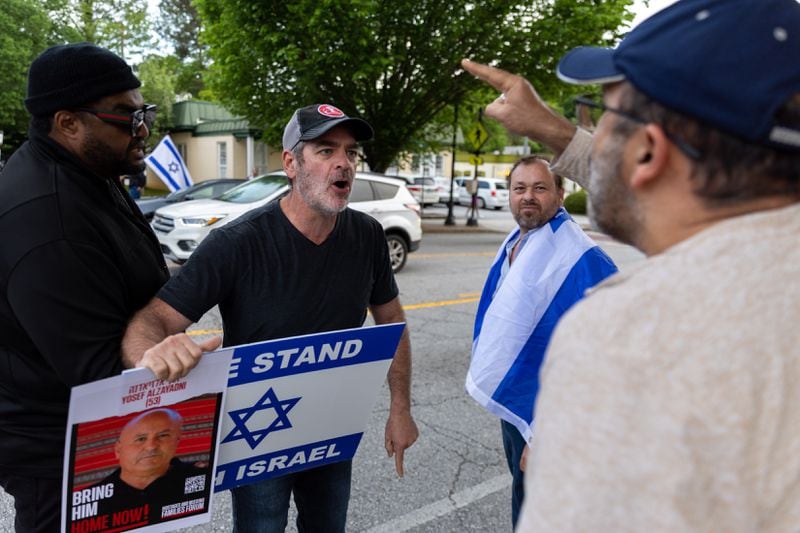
(67, 76)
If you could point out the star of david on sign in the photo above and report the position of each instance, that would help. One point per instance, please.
(262, 420)
(173, 167)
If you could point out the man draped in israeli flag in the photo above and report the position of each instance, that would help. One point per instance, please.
(168, 165)
(542, 268)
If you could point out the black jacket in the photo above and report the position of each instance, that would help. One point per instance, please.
(77, 259)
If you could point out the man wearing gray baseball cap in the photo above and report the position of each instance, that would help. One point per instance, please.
(302, 264)
(670, 396)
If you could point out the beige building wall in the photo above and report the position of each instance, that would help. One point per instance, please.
(405, 165)
(274, 158)
(486, 170)
(237, 157)
(265, 159)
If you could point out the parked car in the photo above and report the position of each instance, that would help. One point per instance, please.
(203, 189)
(181, 228)
(393, 205)
(423, 189)
(492, 193)
(443, 188)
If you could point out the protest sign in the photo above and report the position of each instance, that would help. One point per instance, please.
(140, 452)
(290, 404)
(301, 402)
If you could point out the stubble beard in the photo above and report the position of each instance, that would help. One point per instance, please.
(534, 221)
(315, 193)
(611, 206)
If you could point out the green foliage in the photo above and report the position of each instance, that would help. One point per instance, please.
(395, 63)
(159, 77)
(190, 79)
(179, 23)
(119, 25)
(575, 203)
(24, 31)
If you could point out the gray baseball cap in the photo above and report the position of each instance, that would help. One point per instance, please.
(313, 121)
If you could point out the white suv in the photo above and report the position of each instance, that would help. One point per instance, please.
(181, 227)
(492, 193)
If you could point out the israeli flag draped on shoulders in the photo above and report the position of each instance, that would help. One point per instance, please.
(555, 267)
(168, 165)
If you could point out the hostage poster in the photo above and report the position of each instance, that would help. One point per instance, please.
(140, 452)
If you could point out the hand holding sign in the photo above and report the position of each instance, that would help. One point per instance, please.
(176, 355)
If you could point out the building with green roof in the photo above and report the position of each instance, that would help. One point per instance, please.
(216, 144)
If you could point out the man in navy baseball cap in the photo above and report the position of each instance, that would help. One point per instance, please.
(730, 64)
(669, 396)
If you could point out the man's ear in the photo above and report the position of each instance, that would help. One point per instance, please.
(66, 124)
(650, 155)
(289, 163)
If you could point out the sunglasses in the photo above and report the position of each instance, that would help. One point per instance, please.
(134, 120)
(599, 108)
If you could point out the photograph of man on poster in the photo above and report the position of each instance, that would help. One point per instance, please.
(149, 472)
(150, 483)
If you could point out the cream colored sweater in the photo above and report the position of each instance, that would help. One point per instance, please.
(670, 397)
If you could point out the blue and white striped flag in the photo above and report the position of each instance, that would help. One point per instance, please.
(168, 165)
(513, 326)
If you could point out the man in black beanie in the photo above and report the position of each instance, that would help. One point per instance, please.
(77, 260)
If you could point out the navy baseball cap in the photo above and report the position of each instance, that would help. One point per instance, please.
(313, 121)
(728, 63)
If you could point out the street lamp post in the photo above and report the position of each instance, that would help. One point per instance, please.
(451, 220)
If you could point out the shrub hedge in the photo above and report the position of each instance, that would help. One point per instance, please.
(575, 203)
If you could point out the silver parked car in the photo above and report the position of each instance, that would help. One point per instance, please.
(443, 186)
(423, 189)
(203, 189)
(180, 228)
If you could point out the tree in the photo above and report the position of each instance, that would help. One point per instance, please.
(24, 30)
(395, 63)
(119, 25)
(159, 76)
(179, 24)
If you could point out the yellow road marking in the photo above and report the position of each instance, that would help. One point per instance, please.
(440, 304)
(463, 299)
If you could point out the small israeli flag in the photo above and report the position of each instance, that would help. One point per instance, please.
(168, 165)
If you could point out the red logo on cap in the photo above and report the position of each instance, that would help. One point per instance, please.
(330, 111)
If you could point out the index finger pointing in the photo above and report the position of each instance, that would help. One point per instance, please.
(398, 462)
(497, 78)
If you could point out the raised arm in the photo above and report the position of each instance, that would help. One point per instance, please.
(520, 109)
(155, 339)
(401, 430)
